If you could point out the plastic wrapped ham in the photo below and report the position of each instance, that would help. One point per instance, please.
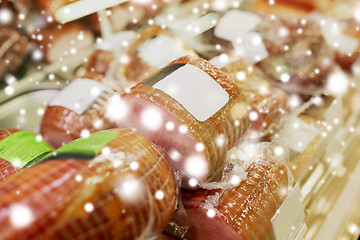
(126, 192)
(269, 104)
(241, 212)
(141, 63)
(292, 52)
(120, 14)
(17, 149)
(192, 110)
(13, 49)
(14, 12)
(78, 110)
(61, 41)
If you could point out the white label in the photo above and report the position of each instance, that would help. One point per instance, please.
(117, 41)
(193, 88)
(299, 134)
(223, 60)
(235, 24)
(79, 95)
(251, 48)
(161, 51)
(288, 221)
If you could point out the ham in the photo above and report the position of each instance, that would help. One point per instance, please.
(18, 9)
(300, 59)
(99, 62)
(17, 149)
(269, 103)
(13, 49)
(207, 119)
(242, 212)
(80, 108)
(6, 168)
(61, 41)
(142, 63)
(103, 198)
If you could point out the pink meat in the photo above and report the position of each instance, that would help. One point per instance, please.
(242, 212)
(79, 199)
(229, 123)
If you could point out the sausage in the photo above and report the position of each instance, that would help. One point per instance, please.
(104, 198)
(242, 212)
(195, 142)
(13, 49)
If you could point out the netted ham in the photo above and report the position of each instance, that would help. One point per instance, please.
(309, 4)
(268, 102)
(126, 192)
(192, 110)
(61, 41)
(6, 168)
(99, 62)
(51, 6)
(282, 8)
(16, 11)
(300, 59)
(17, 149)
(242, 212)
(291, 51)
(153, 41)
(80, 108)
(13, 49)
(346, 60)
(305, 142)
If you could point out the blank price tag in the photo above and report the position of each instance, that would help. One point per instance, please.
(193, 88)
(79, 95)
(289, 220)
(165, 48)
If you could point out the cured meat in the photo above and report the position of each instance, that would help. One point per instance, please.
(303, 65)
(268, 102)
(13, 49)
(51, 6)
(153, 40)
(81, 106)
(195, 141)
(99, 62)
(15, 153)
(242, 212)
(346, 60)
(58, 42)
(291, 51)
(282, 9)
(107, 197)
(6, 168)
(18, 9)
